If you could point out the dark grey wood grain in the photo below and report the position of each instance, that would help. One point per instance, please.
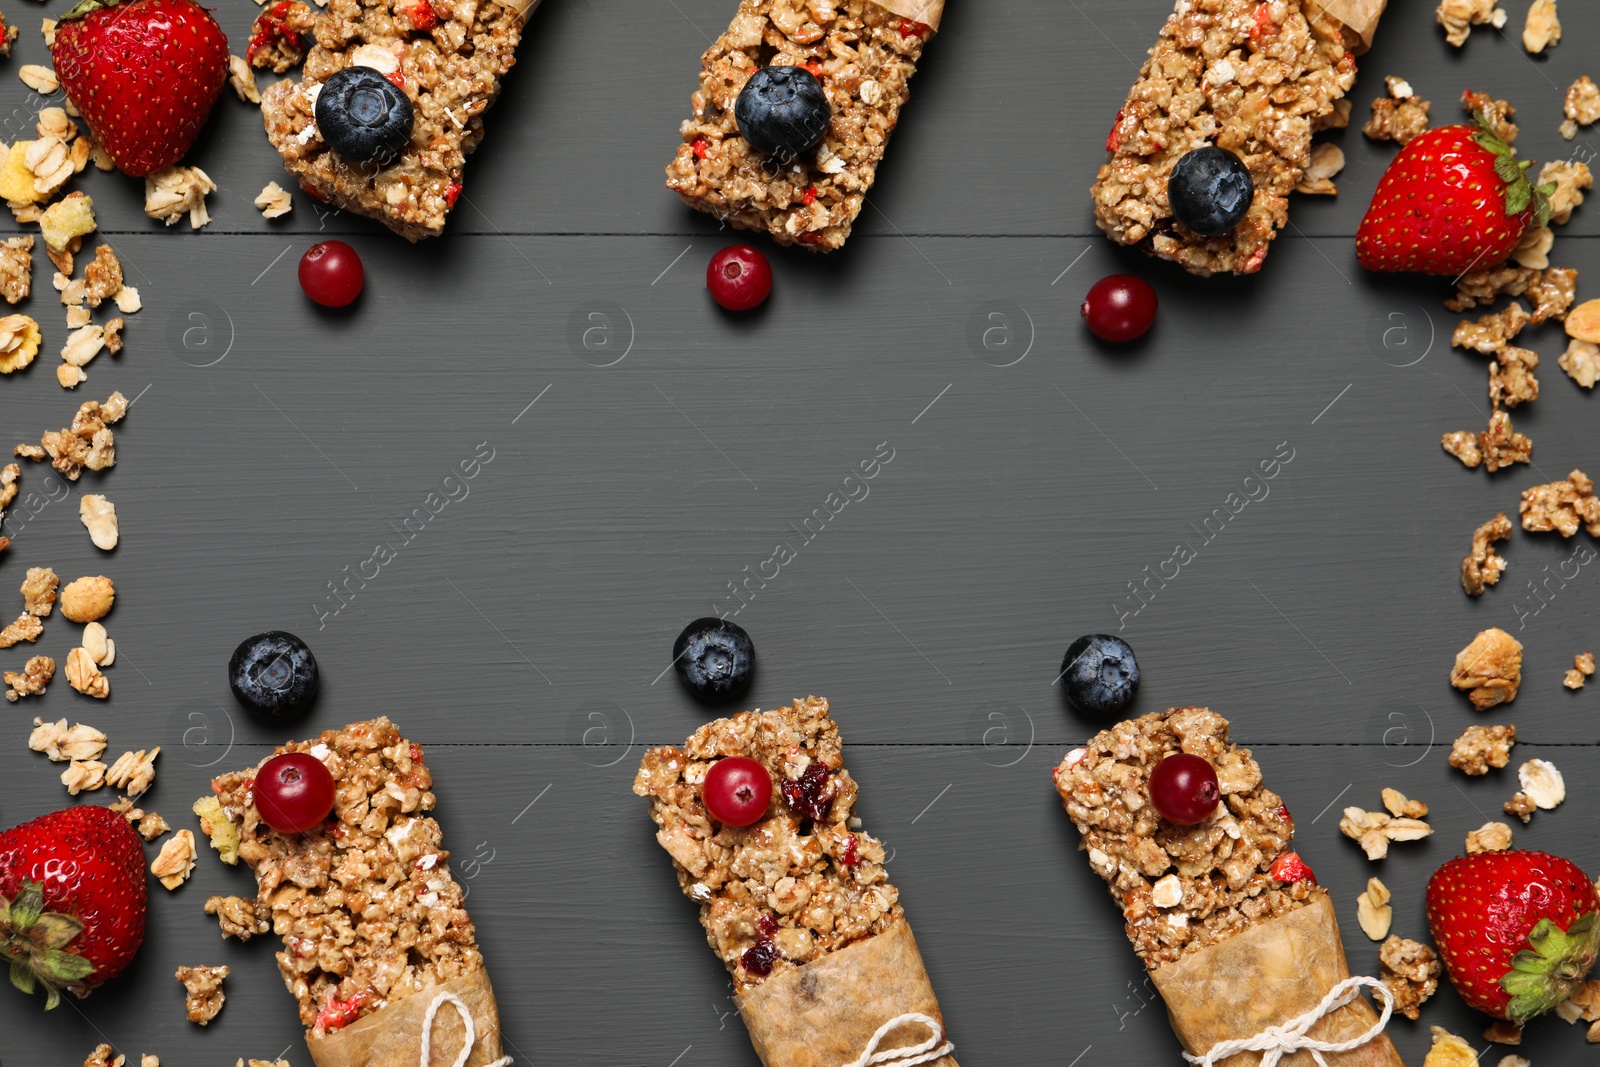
(640, 469)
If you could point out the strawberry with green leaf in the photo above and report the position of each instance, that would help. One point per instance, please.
(143, 73)
(72, 900)
(1517, 930)
(1455, 199)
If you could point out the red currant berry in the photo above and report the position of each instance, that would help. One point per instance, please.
(1119, 307)
(739, 278)
(1184, 790)
(737, 791)
(331, 274)
(293, 792)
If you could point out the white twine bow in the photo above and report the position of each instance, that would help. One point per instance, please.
(1276, 1041)
(909, 1056)
(466, 1021)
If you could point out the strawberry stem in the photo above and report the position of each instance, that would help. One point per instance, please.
(85, 8)
(34, 942)
(1548, 971)
(1520, 194)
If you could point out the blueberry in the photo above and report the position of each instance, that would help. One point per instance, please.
(1100, 674)
(1210, 190)
(783, 111)
(714, 658)
(274, 675)
(364, 116)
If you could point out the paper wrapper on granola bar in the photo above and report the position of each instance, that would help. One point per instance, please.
(1265, 976)
(824, 1013)
(1360, 18)
(523, 8)
(392, 1035)
(927, 12)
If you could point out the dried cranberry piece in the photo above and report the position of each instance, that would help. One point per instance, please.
(852, 855)
(767, 924)
(759, 958)
(809, 796)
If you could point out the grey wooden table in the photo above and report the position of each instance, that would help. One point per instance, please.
(640, 468)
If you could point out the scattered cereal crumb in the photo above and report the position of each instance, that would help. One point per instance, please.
(1490, 837)
(102, 277)
(1522, 806)
(1502, 1032)
(1542, 28)
(83, 344)
(170, 194)
(99, 517)
(1481, 747)
(1511, 379)
(26, 628)
(61, 744)
(1459, 16)
(1373, 911)
(1581, 106)
(203, 991)
(1481, 567)
(36, 674)
(19, 342)
(113, 334)
(69, 376)
(127, 300)
(1399, 805)
(104, 1056)
(134, 772)
(274, 201)
(1402, 116)
(83, 674)
(243, 80)
(69, 218)
(1490, 667)
(237, 917)
(16, 268)
(39, 591)
(1491, 332)
(175, 862)
(1411, 971)
(1497, 113)
(1562, 506)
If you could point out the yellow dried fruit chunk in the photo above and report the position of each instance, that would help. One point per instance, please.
(19, 342)
(215, 824)
(1583, 322)
(66, 219)
(16, 180)
(1449, 1051)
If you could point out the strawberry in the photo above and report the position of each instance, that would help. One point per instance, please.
(1518, 930)
(1454, 199)
(143, 73)
(72, 900)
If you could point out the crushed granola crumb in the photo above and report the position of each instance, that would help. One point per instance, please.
(274, 201)
(127, 300)
(1498, 113)
(1401, 116)
(134, 772)
(83, 674)
(1411, 971)
(1522, 806)
(35, 676)
(67, 220)
(1581, 106)
(1490, 667)
(1490, 837)
(89, 442)
(170, 194)
(1562, 506)
(1542, 27)
(26, 628)
(1481, 566)
(175, 862)
(1399, 805)
(1502, 1032)
(1459, 16)
(237, 917)
(1552, 292)
(1481, 747)
(1511, 380)
(60, 743)
(16, 268)
(102, 277)
(104, 1056)
(1581, 361)
(203, 996)
(1503, 446)
(39, 591)
(1327, 160)
(1493, 331)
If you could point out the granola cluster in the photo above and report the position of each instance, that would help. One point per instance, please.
(794, 886)
(1550, 291)
(1257, 79)
(1481, 566)
(1582, 669)
(1459, 16)
(1497, 113)
(1581, 106)
(1562, 506)
(366, 905)
(1402, 116)
(1481, 747)
(1411, 971)
(448, 56)
(1490, 668)
(863, 54)
(202, 988)
(1498, 446)
(1180, 888)
(87, 444)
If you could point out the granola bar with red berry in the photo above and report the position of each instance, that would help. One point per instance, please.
(856, 59)
(1231, 923)
(757, 813)
(373, 924)
(1256, 79)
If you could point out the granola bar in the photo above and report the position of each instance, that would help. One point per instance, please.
(1256, 79)
(369, 913)
(864, 54)
(448, 56)
(797, 905)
